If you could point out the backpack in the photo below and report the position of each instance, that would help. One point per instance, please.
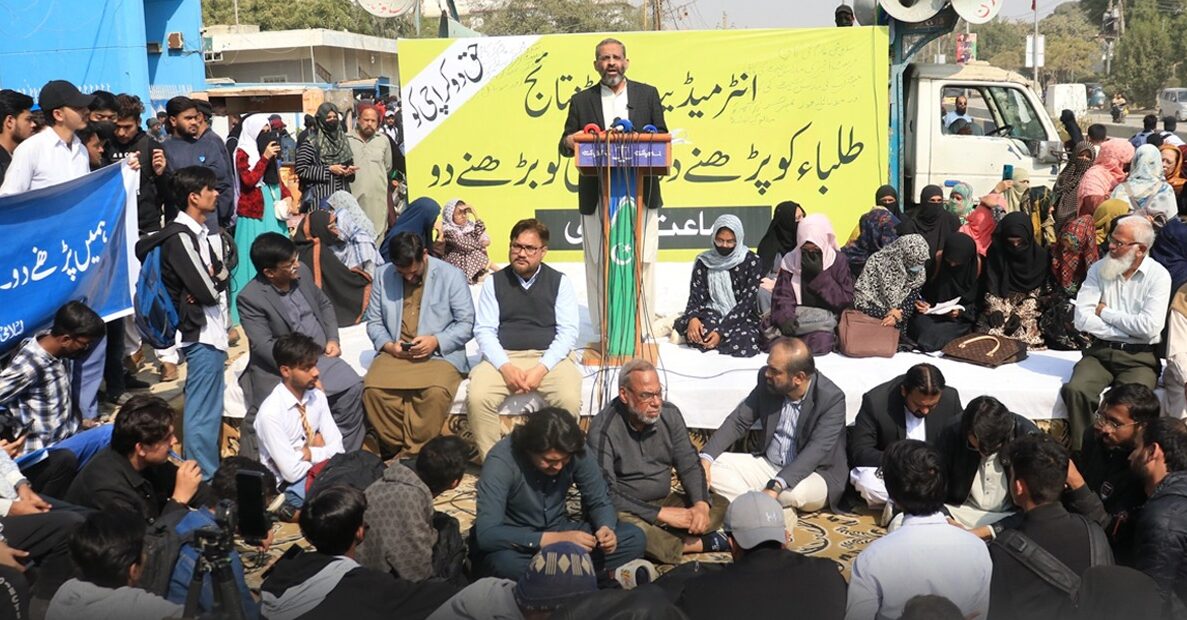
(162, 548)
(1048, 567)
(449, 553)
(156, 315)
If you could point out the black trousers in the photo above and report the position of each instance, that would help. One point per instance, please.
(46, 537)
(53, 474)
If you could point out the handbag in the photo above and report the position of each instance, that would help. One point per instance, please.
(986, 350)
(861, 335)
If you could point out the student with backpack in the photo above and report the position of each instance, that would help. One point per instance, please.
(192, 273)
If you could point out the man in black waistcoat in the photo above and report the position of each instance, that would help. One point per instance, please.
(526, 328)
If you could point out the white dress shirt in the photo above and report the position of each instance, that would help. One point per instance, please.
(916, 426)
(924, 556)
(614, 105)
(43, 160)
(282, 438)
(1135, 309)
(486, 323)
(214, 331)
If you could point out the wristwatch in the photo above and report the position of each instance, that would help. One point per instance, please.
(775, 485)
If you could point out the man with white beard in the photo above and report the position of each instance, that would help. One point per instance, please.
(638, 439)
(1123, 304)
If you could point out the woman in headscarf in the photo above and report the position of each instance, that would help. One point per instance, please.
(259, 191)
(357, 250)
(1016, 271)
(1170, 251)
(780, 237)
(958, 271)
(875, 229)
(814, 286)
(419, 217)
(465, 240)
(1104, 174)
(981, 222)
(1075, 250)
(1063, 195)
(1017, 191)
(931, 220)
(348, 289)
(1172, 167)
(1103, 217)
(960, 201)
(722, 314)
(1146, 188)
(325, 163)
(890, 284)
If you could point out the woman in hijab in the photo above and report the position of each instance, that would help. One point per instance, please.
(1017, 191)
(981, 222)
(814, 286)
(1103, 217)
(1104, 174)
(1172, 167)
(890, 284)
(419, 217)
(357, 250)
(780, 237)
(259, 191)
(348, 289)
(1075, 250)
(932, 221)
(875, 230)
(722, 314)
(958, 271)
(961, 202)
(325, 163)
(1146, 188)
(1015, 273)
(1064, 197)
(465, 240)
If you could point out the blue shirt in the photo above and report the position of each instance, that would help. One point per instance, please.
(486, 324)
(781, 450)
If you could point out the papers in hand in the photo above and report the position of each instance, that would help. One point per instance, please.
(946, 307)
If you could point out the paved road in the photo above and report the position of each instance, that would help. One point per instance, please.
(1127, 128)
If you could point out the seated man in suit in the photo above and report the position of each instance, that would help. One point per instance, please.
(281, 300)
(801, 413)
(917, 405)
(419, 319)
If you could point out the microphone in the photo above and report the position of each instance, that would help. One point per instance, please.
(592, 128)
(623, 124)
(650, 129)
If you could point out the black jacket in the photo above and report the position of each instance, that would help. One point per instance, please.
(361, 594)
(768, 584)
(961, 461)
(148, 202)
(644, 107)
(1160, 539)
(185, 276)
(1112, 495)
(882, 420)
(109, 482)
(1016, 591)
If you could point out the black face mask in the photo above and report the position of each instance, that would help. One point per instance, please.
(332, 125)
(723, 251)
(812, 261)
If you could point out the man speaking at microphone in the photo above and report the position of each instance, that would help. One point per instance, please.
(614, 98)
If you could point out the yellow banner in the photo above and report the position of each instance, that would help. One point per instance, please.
(757, 116)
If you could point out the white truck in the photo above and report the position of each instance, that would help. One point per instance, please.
(1005, 124)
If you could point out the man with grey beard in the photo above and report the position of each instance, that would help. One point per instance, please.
(1123, 304)
(638, 438)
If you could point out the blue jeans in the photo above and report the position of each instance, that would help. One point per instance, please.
(85, 380)
(294, 494)
(203, 412)
(86, 444)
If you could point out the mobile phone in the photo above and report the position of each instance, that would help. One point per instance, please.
(405, 345)
(254, 523)
(1007, 172)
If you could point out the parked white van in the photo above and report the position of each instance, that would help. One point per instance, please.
(1173, 102)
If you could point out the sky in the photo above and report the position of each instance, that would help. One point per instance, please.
(704, 14)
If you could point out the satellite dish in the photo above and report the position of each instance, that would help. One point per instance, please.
(912, 10)
(388, 8)
(977, 11)
(866, 12)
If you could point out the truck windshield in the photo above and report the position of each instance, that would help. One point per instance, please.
(1014, 109)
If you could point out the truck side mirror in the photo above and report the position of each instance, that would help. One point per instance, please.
(1050, 152)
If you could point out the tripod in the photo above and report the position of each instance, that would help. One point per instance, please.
(214, 559)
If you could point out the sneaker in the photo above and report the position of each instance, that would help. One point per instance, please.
(168, 372)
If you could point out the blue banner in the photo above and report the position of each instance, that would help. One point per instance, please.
(66, 242)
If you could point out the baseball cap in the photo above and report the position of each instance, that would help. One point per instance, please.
(62, 94)
(755, 518)
(390, 113)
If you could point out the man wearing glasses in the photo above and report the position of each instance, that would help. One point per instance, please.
(526, 327)
(1100, 484)
(638, 439)
(1122, 303)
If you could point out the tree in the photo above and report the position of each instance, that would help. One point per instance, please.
(1142, 65)
(298, 14)
(1072, 47)
(1001, 43)
(520, 17)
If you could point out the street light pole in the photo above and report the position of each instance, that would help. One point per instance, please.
(1035, 51)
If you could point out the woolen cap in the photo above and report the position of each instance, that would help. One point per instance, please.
(62, 94)
(555, 576)
(755, 518)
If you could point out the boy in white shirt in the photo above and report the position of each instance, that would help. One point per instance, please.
(294, 426)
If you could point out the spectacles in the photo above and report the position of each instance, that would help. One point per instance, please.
(1099, 419)
(648, 395)
(1113, 243)
(530, 250)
